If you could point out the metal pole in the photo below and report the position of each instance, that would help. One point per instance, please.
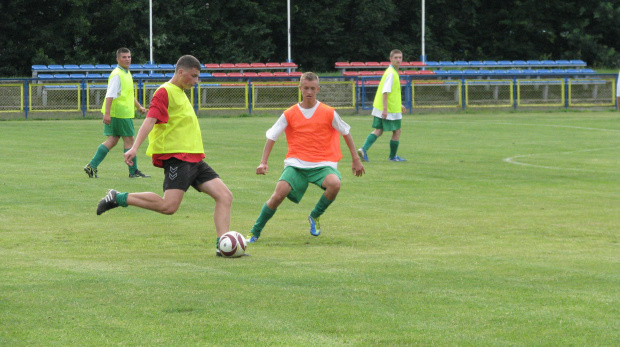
(151, 61)
(423, 57)
(288, 29)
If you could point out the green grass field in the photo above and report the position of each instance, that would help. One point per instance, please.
(501, 229)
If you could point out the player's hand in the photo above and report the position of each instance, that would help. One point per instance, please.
(384, 114)
(358, 168)
(262, 169)
(142, 110)
(404, 109)
(129, 155)
(107, 119)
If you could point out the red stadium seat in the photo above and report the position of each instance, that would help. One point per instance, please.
(257, 65)
(295, 74)
(227, 66)
(280, 74)
(405, 64)
(366, 73)
(427, 72)
(212, 66)
(379, 73)
(373, 63)
(250, 74)
(416, 63)
(357, 63)
(342, 64)
(234, 74)
(350, 73)
(265, 74)
(385, 63)
(410, 72)
(219, 74)
(289, 65)
(272, 64)
(242, 65)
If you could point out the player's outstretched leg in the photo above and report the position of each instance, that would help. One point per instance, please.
(108, 202)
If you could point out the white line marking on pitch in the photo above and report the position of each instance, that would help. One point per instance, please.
(512, 161)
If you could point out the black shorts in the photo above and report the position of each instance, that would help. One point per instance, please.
(180, 174)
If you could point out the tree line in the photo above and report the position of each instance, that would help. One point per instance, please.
(322, 31)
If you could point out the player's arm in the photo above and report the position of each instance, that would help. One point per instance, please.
(106, 115)
(263, 167)
(358, 168)
(143, 134)
(138, 106)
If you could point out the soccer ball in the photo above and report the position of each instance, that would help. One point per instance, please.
(232, 244)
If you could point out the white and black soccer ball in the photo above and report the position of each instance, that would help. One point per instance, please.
(232, 244)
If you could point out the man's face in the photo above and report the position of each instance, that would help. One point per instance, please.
(308, 89)
(188, 77)
(396, 59)
(124, 60)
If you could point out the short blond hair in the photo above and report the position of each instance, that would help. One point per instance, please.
(309, 76)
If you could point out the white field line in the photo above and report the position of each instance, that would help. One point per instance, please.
(512, 160)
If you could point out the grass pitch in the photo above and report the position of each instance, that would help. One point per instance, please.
(499, 230)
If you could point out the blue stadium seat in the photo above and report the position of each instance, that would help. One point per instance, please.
(470, 72)
(475, 63)
(455, 72)
(446, 63)
(578, 62)
(562, 62)
(87, 67)
(105, 75)
(558, 71)
(157, 74)
(140, 75)
(514, 71)
(169, 74)
(548, 62)
(77, 75)
(519, 62)
(461, 63)
(533, 62)
(529, 71)
(432, 63)
(46, 75)
(204, 75)
(572, 71)
(543, 71)
(149, 66)
(441, 72)
(72, 67)
(93, 75)
(39, 67)
(484, 71)
(103, 67)
(586, 71)
(489, 63)
(505, 63)
(135, 66)
(166, 66)
(499, 72)
(55, 67)
(61, 76)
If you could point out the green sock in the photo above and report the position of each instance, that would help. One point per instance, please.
(121, 199)
(217, 243)
(265, 215)
(102, 151)
(393, 148)
(134, 167)
(320, 207)
(369, 141)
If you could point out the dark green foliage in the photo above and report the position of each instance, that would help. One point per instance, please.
(323, 31)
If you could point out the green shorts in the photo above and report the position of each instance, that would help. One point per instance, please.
(299, 179)
(385, 124)
(119, 127)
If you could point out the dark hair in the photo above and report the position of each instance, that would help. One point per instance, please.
(187, 62)
(122, 50)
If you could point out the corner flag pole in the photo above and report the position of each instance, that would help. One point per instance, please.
(151, 32)
(288, 12)
(423, 57)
